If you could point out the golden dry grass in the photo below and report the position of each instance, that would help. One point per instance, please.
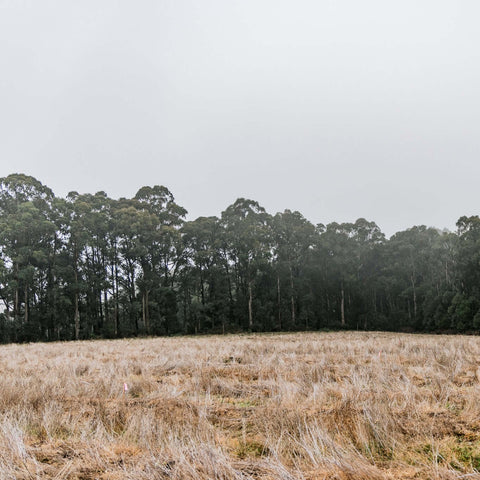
(346, 406)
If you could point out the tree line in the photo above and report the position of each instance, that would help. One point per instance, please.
(88, 266)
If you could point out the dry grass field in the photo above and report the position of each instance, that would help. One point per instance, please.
(357, 406)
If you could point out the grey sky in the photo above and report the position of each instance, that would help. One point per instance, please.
(337, 108)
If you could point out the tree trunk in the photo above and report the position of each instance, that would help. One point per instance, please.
(77, 318)
(146, 312)
(342, 305)
(414, 298)
(77, 313)
(15, 307)
(184, 319)
(117, 306)
(292, 297)
(278, 303)
(250, 312)
(26, 303)
(202, 288)
(105, 303)
(100, 318)
(17, 298)
(230, 295)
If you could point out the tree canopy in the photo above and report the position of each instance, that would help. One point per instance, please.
(89, 266)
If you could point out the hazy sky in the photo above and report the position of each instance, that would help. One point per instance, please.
(337, 108)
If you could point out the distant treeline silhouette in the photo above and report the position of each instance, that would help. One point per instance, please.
(89, 266)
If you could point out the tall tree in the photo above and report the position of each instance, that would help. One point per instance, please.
(163, 254)
(294, 237)
(248, 235)
(26, 234)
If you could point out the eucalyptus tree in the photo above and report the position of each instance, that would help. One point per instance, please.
(412, 270)
(53, 300)
(335, 254)
(26, 235)
(249, 246)
(130, 225)
(368, 242)
(346, 258)
(203, 240)
(60, 283)
(162, 255)
(294, 238)
(443, 285)
(464, 311)
(96, 224)
(468, 230)
(163, 239)
(77, 208)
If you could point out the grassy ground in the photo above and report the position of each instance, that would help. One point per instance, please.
(310, 406)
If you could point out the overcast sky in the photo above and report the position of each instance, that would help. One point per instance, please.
(337, 108)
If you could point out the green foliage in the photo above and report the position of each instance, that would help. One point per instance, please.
(88, 266)
(467, 455)
(462, 311)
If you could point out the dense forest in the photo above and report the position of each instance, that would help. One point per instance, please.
(89, 266)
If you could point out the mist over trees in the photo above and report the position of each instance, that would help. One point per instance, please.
(88, 266)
